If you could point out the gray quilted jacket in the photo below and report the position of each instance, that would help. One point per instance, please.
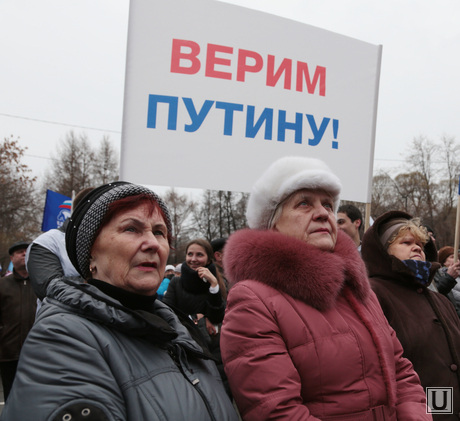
(89, 358)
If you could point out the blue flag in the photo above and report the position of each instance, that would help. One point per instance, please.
(57, 210)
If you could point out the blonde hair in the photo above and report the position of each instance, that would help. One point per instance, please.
(414, 227)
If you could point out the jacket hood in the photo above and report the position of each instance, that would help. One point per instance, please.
(292, 266)
(382, 265)
(160, 327)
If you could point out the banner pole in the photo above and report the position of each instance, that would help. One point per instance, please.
(457, 223)
(73, 198)
(367, 218)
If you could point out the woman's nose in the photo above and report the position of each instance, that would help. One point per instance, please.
(150, 242)
(320, 212)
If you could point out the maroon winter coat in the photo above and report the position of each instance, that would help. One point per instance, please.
(304, 337)
(425, 321)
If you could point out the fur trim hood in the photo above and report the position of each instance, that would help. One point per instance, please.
(380, 264)
(292, 266)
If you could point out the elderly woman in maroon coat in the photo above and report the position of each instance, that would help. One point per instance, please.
(304, 337)
(397, 252)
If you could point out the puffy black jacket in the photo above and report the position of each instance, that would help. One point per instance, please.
(191, 295)
(91, 358)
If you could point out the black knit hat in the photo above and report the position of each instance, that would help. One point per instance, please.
(88, 215)
(218, 244)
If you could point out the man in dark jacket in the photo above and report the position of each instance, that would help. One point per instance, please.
(17, 314)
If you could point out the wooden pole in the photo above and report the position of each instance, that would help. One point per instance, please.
(457, 223)
(73, 198)
(367, 218)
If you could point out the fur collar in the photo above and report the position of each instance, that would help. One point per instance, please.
(292, 266)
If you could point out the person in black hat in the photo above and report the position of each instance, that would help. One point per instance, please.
(103, 346)
(17, 314)
(218, 245)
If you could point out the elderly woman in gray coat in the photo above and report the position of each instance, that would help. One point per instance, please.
(103, 346)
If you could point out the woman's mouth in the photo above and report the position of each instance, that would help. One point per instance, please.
(321, 230)
(147, 266)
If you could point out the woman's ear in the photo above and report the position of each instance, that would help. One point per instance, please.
(92, 265)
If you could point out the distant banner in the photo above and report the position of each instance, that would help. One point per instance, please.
(215, 93)
(57, 210)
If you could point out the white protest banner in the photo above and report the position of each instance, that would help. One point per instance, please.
(215, 93)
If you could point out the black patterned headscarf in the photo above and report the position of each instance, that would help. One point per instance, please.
(87, 217)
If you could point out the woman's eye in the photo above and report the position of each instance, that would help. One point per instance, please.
(130, 229)
(160, 233)
(328, 205)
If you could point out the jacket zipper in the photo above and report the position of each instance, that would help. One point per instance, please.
(173, 354)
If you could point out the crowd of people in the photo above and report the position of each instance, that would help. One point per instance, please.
(301, 316)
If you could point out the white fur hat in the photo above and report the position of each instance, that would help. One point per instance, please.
(283, 177)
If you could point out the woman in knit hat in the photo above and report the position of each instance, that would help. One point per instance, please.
(447, 277)
(304, 337)
(401, 261)
(103, 347)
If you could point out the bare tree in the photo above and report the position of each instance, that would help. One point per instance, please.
(412, 194)
(447, 191)
(449, 155)
(181, 209)
(421, 156)
(77, 166)
(71, 169)
(383, 194)
(204, 214)
(220, 213)
(106, 168)
(426, 188)
(19, 213)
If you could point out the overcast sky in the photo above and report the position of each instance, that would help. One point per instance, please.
(63, 67)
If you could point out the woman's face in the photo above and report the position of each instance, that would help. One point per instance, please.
(131, 251)
(449, 261)
(406, 247)
(196, 257)
(309, 216)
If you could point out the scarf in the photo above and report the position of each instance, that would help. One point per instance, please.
(192, 283)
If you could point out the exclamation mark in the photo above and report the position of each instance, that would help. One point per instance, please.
(335, 128)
